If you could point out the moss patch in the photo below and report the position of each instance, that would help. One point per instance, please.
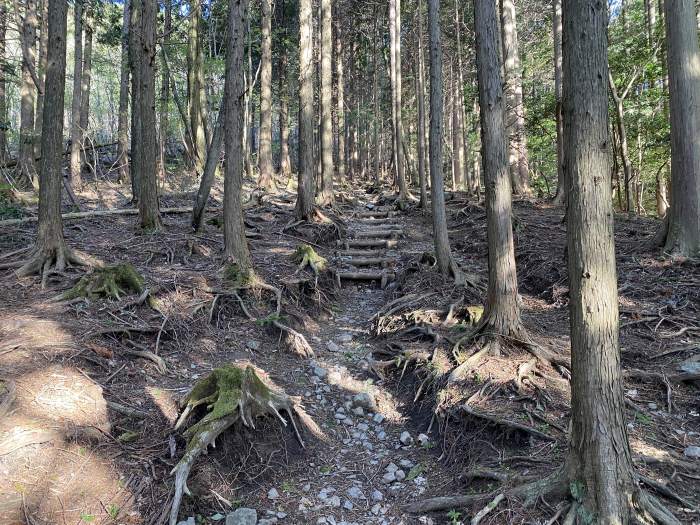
(237, 277)
(111, 281)
(305, 255)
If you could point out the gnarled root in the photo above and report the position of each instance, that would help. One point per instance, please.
(230, 394)
(110, 281)
(44, 260)
(305, 255)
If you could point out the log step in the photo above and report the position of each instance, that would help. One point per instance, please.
(368, 243)
(378, 234)
(360, 253)
(369, 221)
(377, 213)
(384, 262)
(383, 277)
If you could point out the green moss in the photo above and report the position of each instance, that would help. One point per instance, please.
(475, 313)
(305, 255)
(237, 277)
(217, 221)
(111, 281)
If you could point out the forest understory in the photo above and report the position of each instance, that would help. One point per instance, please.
(89, 387)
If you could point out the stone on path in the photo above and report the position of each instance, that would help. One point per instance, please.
(242, 516)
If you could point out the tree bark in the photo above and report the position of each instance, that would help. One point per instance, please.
(340, 96)
(235, 244)
(599, 462)
(210, 168)
(420, 95)
(457, 138)
(515, 110)
(165, 92)
(325, 195)
(683, 57)
(76, 134)
(443, 253)
(149, 213)
(306, 186)
(41, 74)
(624, 148)
(285, 162)
(395, 63)
(26, 168)
(195, 86)
(266, 180)
(502, 314)
(86, 73)
(560, 196)
(123, 122)
(134, 64)
(3, 96)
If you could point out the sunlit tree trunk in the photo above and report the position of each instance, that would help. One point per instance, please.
(76, 132)
(195, 86)
(3, 94)
(395, 66)
(27, 173)
(683, 59)
(41, 75)
(376, 124)
(443, 254)
(235, 244)
(266, 180)
(560, 196)
(420, 95)
(502, 314)
(340, 96)
(86, 77)
(515, 110)
(285, 168)
(149, 213)
(135, 66)
(123, 122)
(306, 186)
(164, 93)
(325, 195)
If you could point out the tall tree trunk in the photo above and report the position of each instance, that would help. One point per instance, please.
(135, 66)
(502, 314)
(306, 186)
(123, 123)
(325, 195)
(376, 118)
(210, 169)
(27, 173)
(395, 54)
(235, 244)
(147, 151)
(599, 465)
(195, 86)
(443, 254)
(457, 137)
(86, 73)
(624, 148)
(41, 74)
(420, 95)
(340, 96)
(515, 111)
(3, 94)
(266, 180)
(285, 162)
(560, 196)
(683, 236)
(76, 134)
(164, 92)
(464, 145)
(50, 248)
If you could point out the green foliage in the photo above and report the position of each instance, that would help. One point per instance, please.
(111, 281)
(454, 516)
(113, 511)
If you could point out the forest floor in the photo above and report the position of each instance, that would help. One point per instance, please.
(88, 433)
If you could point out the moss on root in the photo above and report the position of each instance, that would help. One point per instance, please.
(239, 278)
(111, 281)
(305, 256)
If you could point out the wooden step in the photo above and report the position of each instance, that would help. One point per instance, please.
(376, 213)
(378, 234)
(384, 262)
(369, 221)
(368, 243)
(384, 277)
(360, 253)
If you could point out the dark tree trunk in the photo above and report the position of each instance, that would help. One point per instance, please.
(164, 92)
(306, 186)
(123, 122)
(420, 95)
(27, 170)
(560, 196)
(3, 96)
(266, 180)
(210, 168)
(340, 94)
(76, 132)
(41, 75)
(235, 244)
(135, 65)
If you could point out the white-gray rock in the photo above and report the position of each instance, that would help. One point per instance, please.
(344, 338)
(358, 411)
(355, 492)
(400, 475)
(242, 516)
(252, 344)
(190, 521)
(334, 501)
(377, 495)
(692, 452)
(378, 418)
(364, 400)
(320, 372)
(332, 347)
(406, 438)
(268, 521)
(406, 463)
(423, 440)
(389, 477)
(347, 504)
(391, 467)
(690, 366)
(273, 494)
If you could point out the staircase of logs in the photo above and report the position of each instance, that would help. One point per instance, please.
(368, 253)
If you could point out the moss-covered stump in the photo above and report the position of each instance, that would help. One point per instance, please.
(112, 281)
(230, 394)
(305, 256)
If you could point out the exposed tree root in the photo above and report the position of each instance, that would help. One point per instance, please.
(45, 260)
(230, 394)
(305, 256)
(109, 282)
(7, 395)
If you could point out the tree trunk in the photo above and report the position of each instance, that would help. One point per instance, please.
(395, 54)
(599, 463)
(325, 195)
(443, 254)
(164, 92)
(502, 314)
(41, 74)
(122, 126)
(683, 236)
(457, 138)
(210, 168)
(27, 173)
(624, 148)
(420, 95)
(195, 86)
(87, 71)
(515, 111)
(235, 244)
(3, 96)
(306, 186)
(285, 162)
(50, 248)
(340, 94)
(146, 115)
(134, 63)
(76, 134)
(560, 196)
(266, 180)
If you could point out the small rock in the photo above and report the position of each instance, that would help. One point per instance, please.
(378, 418)
(190, 521)
(332, 347)
(377, 496)
(347, 504)
(281, 515)
(632, 393)
(391, 467)
(381, 436)
(652, 406)
(406, 438)
(242, 516)
(376, 509)
(348, 421)
(355, 493)
(400, 475)
(690, 366)
(252, 344)
(363, 427)
(692, 452)
(358, 411)
(423, 440)
(344, 338)
(273, 494)
(389, 477)
(306, 487)
(334, 501)
(340, 415)
(268, 521)
(364, 400)
(406, 463)
(320, 372)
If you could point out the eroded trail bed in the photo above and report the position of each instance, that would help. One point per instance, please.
(88, 435)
